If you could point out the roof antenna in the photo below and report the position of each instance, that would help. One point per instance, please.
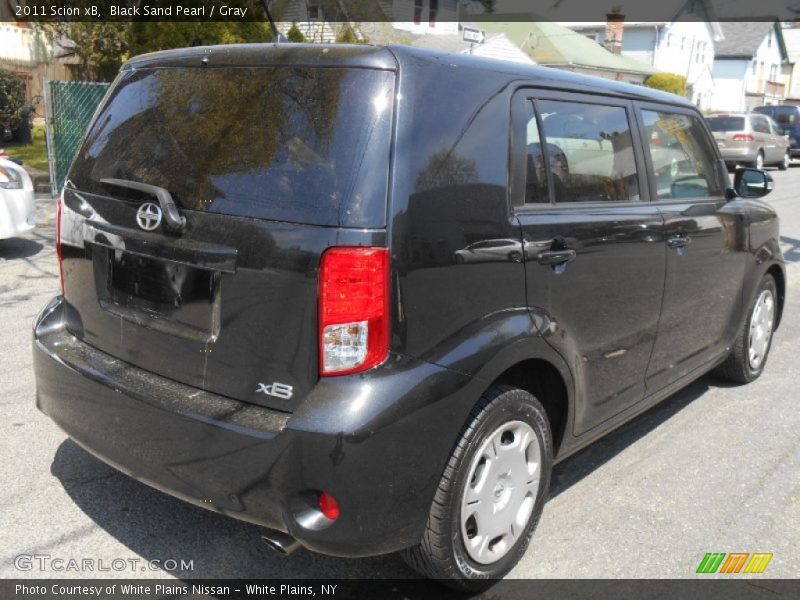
(278, 35)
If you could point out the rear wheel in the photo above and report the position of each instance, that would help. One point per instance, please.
(491, 494)
(750, 350)
(758, 163)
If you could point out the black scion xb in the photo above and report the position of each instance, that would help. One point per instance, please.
(367, 297)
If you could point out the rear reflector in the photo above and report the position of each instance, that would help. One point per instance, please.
(743, 137)
(353, 309)
(328, 506)
(59, 256)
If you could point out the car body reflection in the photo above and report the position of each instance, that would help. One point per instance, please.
(497, 250)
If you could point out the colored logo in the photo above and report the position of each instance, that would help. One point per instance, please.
(735, 562)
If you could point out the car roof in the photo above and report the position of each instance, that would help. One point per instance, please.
(776, 107)
(392, 57)
(235, 55)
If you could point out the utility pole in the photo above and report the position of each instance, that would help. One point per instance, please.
(278, 36)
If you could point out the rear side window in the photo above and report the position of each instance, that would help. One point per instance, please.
(760, 124)
(783, 115)
(291, 144)
(589, 149)
(720, 124)
(683, 160)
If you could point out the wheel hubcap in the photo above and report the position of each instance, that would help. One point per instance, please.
(759, 162)
(501, 491)
(761, 323)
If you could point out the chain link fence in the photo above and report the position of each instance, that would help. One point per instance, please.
(69, 107)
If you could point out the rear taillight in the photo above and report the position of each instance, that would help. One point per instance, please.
(353, 309)
(743, 137)
(655, 139)
(59, 202)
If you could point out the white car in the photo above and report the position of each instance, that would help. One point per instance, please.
(17, 207)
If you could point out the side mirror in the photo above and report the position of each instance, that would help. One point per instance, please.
(752, 183)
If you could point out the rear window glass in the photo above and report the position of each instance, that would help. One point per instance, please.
(785, 115)
(291, 144)
(726, 123)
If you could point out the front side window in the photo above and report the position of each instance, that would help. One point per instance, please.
(683, 161)
(590, 151)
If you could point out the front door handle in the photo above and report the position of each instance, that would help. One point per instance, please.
(555, 257)
(678, 241)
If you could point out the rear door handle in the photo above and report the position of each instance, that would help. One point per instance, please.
(555, 257)
(678, 241)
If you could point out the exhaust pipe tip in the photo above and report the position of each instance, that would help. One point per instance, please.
(281, 543)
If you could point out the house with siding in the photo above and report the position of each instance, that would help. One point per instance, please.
(430, 24)
(791, 37)
(550, 44)
(321, 20)
(751, 66)
(684, 45)
(26, 52)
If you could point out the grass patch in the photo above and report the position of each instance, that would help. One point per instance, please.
(33, 156)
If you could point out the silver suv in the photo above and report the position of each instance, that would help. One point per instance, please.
(750, 139)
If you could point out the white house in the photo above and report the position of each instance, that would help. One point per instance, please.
(748, 66)
(434, 17)
(685, 45)
(321, 20)
(27, 53)
(791, 37)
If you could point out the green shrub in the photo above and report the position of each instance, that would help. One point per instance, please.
(12, 99)
(346, 36)
(295, 35)
(667, 82)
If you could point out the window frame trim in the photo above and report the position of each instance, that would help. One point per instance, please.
(518, 135)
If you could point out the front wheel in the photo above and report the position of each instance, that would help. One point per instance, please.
(750, 350)
(491, 494)
(784, 164)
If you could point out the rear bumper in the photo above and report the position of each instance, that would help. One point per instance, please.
(377, 442)
(17, 212)
(734, 155)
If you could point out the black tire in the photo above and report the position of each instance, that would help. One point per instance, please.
(441, 554)
(784, 164)
(759, 157)
(737, 367)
